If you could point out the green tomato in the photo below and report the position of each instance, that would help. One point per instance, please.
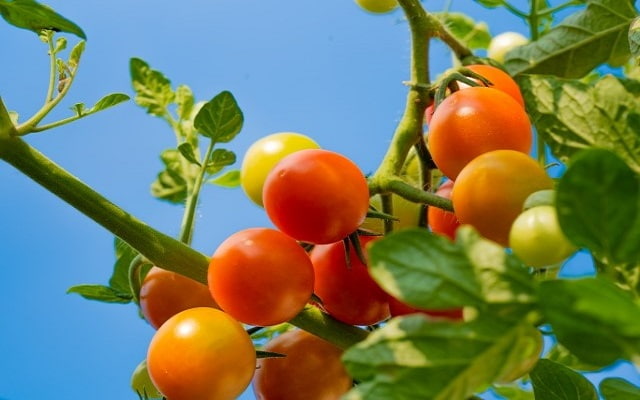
(501, 44)
(378, 6)
(407, 213)
(141, 382)
(536, 237)
(264, 154)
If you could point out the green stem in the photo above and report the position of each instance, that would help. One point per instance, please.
(188, 219)
(52, 68)
(515, 11)
(533, 20)
(559, 7)
(159, 249)
(7, 130)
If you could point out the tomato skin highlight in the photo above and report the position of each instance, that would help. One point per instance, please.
(491, 190)
(201, 353)
(264, 154)
(440, 221)
(537, 239)
(347, 291)
(473, 121)
(311, 370)
(165, 293)
(260, 276)
(316, 196)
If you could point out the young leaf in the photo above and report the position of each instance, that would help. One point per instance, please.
(598, 203)
(634, 40)
(414, 357)
(230, 179)
(153, 89)
(619, 389)
(76, 53)
(514, 392)
(171, 184)
(490, 3)
(185, 101)
(584, 40)
(593, 318)
(553, 381)
(220, 119)
(474, 35)
(188, 152)
(429, 271)
(31, 15)
(124, 256)
(102, 293)
(219, 159)
(107, 101)
(571, 115)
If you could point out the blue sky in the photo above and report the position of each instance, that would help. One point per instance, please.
(323, 68)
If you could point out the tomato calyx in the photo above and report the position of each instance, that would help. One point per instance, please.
(450, 83)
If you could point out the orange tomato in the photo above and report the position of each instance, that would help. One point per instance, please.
(499, 80)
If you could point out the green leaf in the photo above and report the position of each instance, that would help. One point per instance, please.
(513, 392)
(553, 381)
(474, 35)
(171, 184)
(429, 271)
(188, 152)
(619, 389)
(219, 159)
(598, 203)
(490, 3)
(29, 14)
(76, 53)
(220, 119)
(560, 354)
(230, 179)
(185, 101)
(634, 40)
(153, 89)
(102, 293)
(125, 254)
(595, 35)
(571, 115)
(593, 318)
(107, 101)
(414, 357)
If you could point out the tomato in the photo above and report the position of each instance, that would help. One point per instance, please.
(501, 44)
(407, 213)
(440, 221)
(261, 276)
(537, 239)
(164, 293)
(264, 154)
(398, 308)
(474, 121)
(316, 196)
(141, 383)
(347, 291)
(311, 370)
(523, 358)
(499, 80)
(378, 6)
(491, 189)
(201, 353)
(428, 113)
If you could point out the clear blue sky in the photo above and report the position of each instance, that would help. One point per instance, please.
(323, 68)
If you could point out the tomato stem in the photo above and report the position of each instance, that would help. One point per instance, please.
(6, 125)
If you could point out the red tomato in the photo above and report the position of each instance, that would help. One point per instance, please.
(261, 276)
(201, 353)
(347, 291)
(316, 196)
(311, 370)
(398, 308)
(440, 221)
(164, 293)
(473, 121)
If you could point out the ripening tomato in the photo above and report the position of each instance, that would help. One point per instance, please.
(474, 121)
(398, 308)
(499, 80)
(311, 370)
(503, 43)
(141, 383)
(440, 221)
(378, 6)
(201, 353)
(537, 239)
(264, 154)
(261, 276)
(165, 293)
(316, 196)
(491, 189)
(347, 291)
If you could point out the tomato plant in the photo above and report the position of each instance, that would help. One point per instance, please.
(310, 370)
(398, 308)
(141, 382)
(378, 6)
(264, 154)
(316, 196)
(537, 239)
(490, 191)
(473, 121)
(201, 353)
(440, 221)
(260, 276)
(165, 293)
(345, 287)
